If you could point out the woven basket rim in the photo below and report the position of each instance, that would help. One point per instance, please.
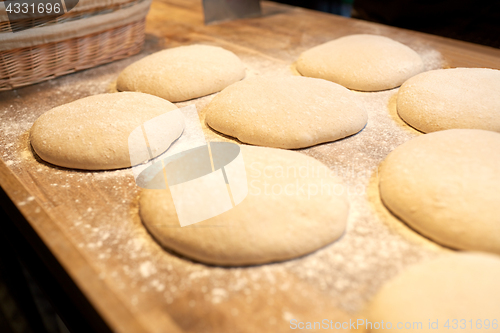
(38, 67)
(6, 26)
(69, 39)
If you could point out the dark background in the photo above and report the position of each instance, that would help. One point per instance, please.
(468, 20)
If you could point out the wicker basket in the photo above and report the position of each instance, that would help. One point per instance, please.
(28, 65)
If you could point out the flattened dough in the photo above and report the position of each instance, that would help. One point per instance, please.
(461, 286)
(446, 186)
(286, 112)
(361, 62)
(92, 133)
(295, 205)
(452, 98)
(183, 73)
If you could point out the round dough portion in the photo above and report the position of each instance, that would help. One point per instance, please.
(286, 112)
(446, 186)
(183, 73)
(295, 205)
(461, 286)
(361, 62)
(451, 98)
(92, 133)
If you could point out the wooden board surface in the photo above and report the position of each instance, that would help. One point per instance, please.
(89, 220)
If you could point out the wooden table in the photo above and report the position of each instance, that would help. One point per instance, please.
(84, 230)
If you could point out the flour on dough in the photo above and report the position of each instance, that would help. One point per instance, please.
(295, 205)
(92, 133)
(183, 73)
(462, 287)
(286, 112)
(451, 98)
(361, 62)
(446, 186)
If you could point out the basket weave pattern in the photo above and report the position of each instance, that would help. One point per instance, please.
(34, 64)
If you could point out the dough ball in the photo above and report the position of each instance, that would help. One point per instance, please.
(295, 205)
(286, 112)
(446, 186)
(361, 62)
(183, 73)
(460, 286)
(451, 98)
(92, 133)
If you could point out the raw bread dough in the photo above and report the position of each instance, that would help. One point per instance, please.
(295, 205)
(92, 133)
(446, 186)
(286, 112)
(452, 98)
(361, 62)
(461, 286)
(183, 73)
